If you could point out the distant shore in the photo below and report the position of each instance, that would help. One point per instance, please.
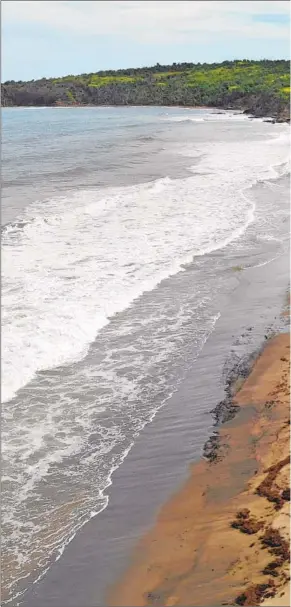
(260, 88)
(224, 537)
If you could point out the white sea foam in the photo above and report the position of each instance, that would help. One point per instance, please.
(51, 526)
(73, 262)
(217, 116)
(208, 117)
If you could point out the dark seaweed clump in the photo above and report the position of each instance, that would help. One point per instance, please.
(246, 523)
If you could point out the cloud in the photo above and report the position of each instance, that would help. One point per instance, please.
(155, 21)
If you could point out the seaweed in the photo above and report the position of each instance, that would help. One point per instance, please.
(271, 568)
(254, 594)
(276, 544)
(246, 523)
(265, 489)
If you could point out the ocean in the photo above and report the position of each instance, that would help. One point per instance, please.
(122, 231)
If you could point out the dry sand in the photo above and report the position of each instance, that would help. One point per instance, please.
(193, 555)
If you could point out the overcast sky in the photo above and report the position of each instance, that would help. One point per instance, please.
(49, 38)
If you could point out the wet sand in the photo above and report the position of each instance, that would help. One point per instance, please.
(224, 537)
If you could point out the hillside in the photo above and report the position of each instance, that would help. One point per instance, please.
(260, 87)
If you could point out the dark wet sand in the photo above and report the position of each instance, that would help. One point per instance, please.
(159, 461)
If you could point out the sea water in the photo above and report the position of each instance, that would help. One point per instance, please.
(100, 207)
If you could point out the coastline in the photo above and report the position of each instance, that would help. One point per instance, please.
(274, 118)
(247, 295)
(223, 538)
(101, 552)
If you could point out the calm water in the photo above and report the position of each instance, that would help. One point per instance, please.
(100, 207)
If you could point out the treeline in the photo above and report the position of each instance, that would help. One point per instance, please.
(262, 87)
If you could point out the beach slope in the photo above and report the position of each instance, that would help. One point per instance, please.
(223, 539)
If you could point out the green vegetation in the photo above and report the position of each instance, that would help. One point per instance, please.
(71, 97)
(262, 87)
(97, 80)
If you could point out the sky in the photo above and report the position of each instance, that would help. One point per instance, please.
(43, 38)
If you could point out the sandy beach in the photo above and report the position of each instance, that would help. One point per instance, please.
(223, 539)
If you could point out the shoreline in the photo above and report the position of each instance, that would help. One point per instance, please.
(223, 537)
(271, 118)
(101, 552)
